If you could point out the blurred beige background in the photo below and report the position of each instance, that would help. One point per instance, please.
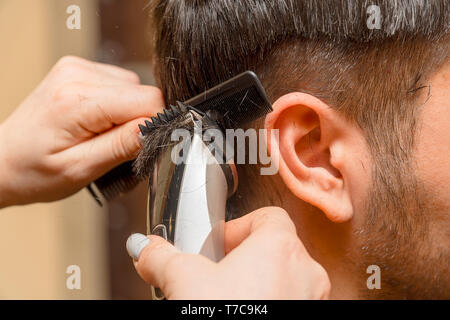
(38, 242)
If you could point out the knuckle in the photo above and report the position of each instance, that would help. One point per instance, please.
(72, 171)
(68, 65)
(69, 61)
(281, 215)
(152, 94)
(51, 165)
(132, 76)
(288, 244)
(274, 216)
(66, 95)
(278, 210)
(269, 212)
(76, 172)
(72, 175)
(262, 218)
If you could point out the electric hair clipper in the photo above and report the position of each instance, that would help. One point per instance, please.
(190, 181)
(187, 198)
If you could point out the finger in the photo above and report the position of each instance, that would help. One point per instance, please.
(268, 236)
(117, 72)
(152, 262)
(106, 151)
(160, 264)
(272, 218)
(99, 108)
(237, 230)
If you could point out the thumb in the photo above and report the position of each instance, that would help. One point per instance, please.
(238, 230)
(161, 265)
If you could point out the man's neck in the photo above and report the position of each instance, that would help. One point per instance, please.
(329, 244)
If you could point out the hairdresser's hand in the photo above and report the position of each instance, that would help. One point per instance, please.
(79, 123)
(265, 260)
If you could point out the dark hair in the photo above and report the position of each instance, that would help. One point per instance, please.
(198, 43)
(325, 48)
(376, 78)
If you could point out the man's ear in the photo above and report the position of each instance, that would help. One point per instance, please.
(311, 152)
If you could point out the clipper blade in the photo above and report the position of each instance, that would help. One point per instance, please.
(166, 117)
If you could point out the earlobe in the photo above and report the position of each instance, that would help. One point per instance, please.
(307, 135)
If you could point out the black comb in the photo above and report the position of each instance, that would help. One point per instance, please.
(169, 114)
(237, 101)
(240, 100)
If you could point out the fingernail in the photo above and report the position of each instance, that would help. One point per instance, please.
(135, 243)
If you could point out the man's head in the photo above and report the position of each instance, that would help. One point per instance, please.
(363, 120)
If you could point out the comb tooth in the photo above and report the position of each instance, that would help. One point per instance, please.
(162, 117)
(149, 124)
(182, 106)
(156, 121)
(175, 111)
(143, 129)
(168, 114)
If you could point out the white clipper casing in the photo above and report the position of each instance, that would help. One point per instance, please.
(187, 201)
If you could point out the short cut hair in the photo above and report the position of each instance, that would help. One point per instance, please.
(373, 77)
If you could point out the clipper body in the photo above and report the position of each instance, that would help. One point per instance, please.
(187, 201)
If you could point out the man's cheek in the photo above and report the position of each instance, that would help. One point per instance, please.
(432, 152)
